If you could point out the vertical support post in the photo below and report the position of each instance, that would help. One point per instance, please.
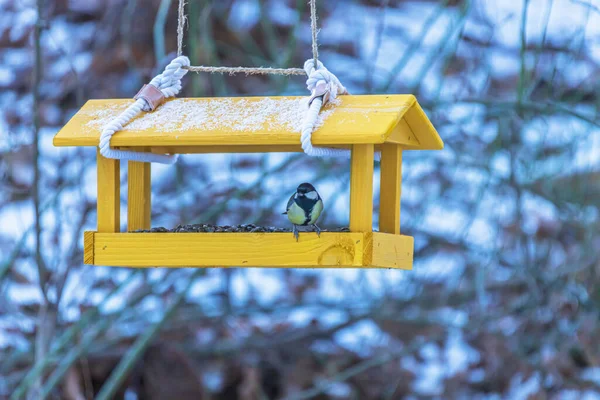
(361, 188)
(109, 192)
(390, 188)
(138, 195)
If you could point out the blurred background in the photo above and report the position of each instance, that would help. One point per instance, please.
(504, 298)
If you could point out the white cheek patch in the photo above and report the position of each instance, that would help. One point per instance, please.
(312, 195)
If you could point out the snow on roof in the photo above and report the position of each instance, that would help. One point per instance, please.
(257, 121)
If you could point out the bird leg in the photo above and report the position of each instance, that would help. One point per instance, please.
(295, 231)
(317, 229)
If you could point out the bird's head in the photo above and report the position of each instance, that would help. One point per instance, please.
(307, 190)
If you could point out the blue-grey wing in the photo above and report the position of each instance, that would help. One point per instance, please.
(290, 202)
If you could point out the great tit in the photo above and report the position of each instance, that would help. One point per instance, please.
(304, 208)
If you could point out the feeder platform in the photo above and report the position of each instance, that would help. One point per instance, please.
(362, 124)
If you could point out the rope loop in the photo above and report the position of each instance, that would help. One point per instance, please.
(169, 83)
(321, 82)
(324, 86)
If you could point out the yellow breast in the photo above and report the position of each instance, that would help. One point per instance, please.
(296, 214)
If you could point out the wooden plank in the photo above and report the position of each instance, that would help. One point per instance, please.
(109, 192)
(230, 149)
(355, 120)
(404, 135)
(390, 188)
(138, 196)
(392, 251)
(331, 249)
(361, 188)
(88, 248)
(282, 148)
(426, 134)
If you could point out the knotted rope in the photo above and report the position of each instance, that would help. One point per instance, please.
(323, 85)
(169, 84)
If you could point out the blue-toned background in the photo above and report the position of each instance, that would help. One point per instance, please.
(504, 298)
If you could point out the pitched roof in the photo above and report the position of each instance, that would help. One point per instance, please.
(257, 121)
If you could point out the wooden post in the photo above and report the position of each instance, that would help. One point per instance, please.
(390, 188)
(361, 188)
(138, 195)
(109, 192)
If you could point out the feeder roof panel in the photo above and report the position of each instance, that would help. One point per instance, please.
(251, 121)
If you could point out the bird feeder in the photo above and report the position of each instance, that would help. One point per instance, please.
(362, 124)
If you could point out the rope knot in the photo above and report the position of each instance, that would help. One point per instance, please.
(165, 85)
(322, 83)
(169, 82)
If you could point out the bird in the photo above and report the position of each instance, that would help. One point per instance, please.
(304, 208)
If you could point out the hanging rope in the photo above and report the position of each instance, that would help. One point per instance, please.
(181, 18)
(323, 85)
(247, 70)
(314, 31)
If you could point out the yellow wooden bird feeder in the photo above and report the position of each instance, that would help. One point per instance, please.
(363, 124)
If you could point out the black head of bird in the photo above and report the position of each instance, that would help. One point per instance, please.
(306, 189)
(304, 208)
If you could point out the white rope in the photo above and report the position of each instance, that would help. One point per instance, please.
(322, 82)
(324, 86)
(169, 83)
